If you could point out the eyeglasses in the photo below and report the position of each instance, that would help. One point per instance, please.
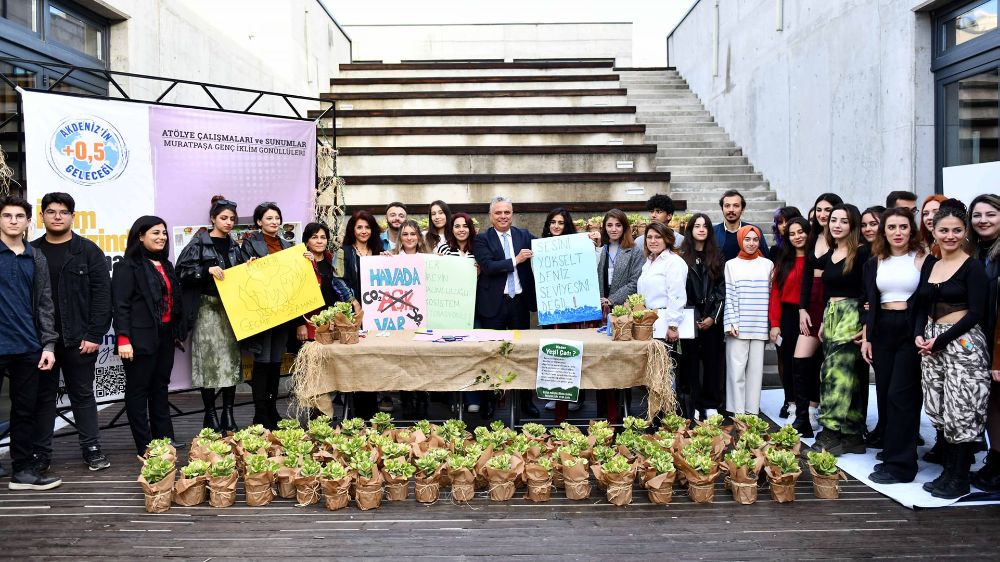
(61, 213)
(14, 218)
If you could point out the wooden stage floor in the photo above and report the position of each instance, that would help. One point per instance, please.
(100, 514)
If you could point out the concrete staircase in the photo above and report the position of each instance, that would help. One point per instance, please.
(702, 160)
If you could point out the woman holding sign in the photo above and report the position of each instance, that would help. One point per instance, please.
(268, 347)
(149, 322)
(316, 237)
(215, 354)
(362, 238)
(410, 240)
(438, 221)
(458, 237)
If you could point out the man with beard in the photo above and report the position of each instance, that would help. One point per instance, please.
(81, 292)
(395, 214)
(733, 204)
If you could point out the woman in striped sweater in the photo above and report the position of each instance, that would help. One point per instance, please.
(748, 279)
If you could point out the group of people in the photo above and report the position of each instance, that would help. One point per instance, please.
(915, 297)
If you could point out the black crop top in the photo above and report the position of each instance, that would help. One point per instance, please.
(964, 290)
(835, 282)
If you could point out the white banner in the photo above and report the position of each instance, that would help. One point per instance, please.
(98, 152)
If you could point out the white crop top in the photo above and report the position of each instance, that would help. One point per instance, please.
(897, 278)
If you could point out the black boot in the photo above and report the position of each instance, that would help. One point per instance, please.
(211, 418)
(987, 478)
(799, 371)
(942, 447)
(273, 384)
(957, 467)
(258, 386)
(935, 455)
(228, 419)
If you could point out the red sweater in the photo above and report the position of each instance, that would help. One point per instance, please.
(789, 293)
(168, 300)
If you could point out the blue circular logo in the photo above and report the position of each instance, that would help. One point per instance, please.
(87, 151)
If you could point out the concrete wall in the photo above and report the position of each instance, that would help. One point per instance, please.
(293, 47)
(393, 43)
(839, 99)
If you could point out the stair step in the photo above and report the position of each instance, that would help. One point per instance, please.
(469, 86)
(683, 186)
(690, 145)
(703, 200)
(490, 139)
(579, 98)
(668, 120)
(687, 150)
(682, 176)
(394, 162)
(712, 171)
(345, 96)
(702, 161)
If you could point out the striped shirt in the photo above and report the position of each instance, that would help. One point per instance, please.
(748, 284)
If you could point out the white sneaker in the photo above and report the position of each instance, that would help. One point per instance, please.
(709, 412)
(573, 406)
(697, 415)
(791, 412)
(472, 408)
(814, 418)
(550, 405)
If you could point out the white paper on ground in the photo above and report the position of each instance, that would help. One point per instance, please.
(910, 495)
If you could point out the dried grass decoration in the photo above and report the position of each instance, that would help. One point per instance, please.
(157, 481)
(825, 475)
(190, 489)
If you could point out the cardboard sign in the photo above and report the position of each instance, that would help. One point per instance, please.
(451, 292)
(565, 270)
(269, 291)
(393, 292)
(560, 363)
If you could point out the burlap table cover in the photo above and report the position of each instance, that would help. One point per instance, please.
(398, 362)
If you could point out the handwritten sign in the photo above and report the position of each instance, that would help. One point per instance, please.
(451, 292)
(393, 292)
(560, 365)
(269, 291)
(565, 269)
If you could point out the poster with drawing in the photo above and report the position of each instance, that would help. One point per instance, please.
(393, 292)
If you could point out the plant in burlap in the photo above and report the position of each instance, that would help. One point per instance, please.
(289, 423)
(673, 423)
(427, 478)
(335, 482)
(534, 430)
(161, 448)
(600, 432)
(368, 486)
(621, 323)
(501, 472)
(461, 472)
(700, 470)
(382, 422)
(222, 482)
(254, 444)
(786, 439)
(750, 441)
(306, 482)
(397, 473)
(659, 483)
(642, 324)
(576, 480)
(157, 480)
(393, 450)
(743, 470)
(825, 474)
(617, 474)
(750, 423)
(259, 479)
(190, 490)
(538, 476)
(782, 472)
(347, 323)
(319, 430)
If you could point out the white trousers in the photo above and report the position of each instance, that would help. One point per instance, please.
(744, 374)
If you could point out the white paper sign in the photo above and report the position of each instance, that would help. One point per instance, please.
(560, 363)
(685, 331)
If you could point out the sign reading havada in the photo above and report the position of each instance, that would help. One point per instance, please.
(393, 292)
(560, 365)
(269, 291)
(565, 269)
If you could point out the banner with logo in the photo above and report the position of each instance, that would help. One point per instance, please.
(120, 160)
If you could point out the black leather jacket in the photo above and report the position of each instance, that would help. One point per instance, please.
(192, 269)
(705, 294)
(256, 247)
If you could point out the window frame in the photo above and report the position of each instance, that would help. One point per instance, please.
(42, 48)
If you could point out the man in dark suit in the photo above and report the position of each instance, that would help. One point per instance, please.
(505, 290)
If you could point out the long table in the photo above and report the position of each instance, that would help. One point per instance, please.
(396, 361)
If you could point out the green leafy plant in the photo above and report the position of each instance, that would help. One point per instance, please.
(754, 423)
(404, 435)
(259, 464)
(223, 467)
(156, 469)
(291, 461)
(603, 454)
(363, 465)
(707, 430)
(699, 461)
(158, 448)
(206, 433)
(672, 423)
(352, 426)
(452, 429)
(496, 425)
(664, 435)
(750, 441)
(714, 419)
(394, 450)
(519, 444)
(427, 464)
(620, 310)
(573, 461)
(382, 421)
(785, 438)
(662, 463)
(399, 468)
(628, 439)
(424, 426)
(310, 468)
(290, 423)
(286, 436)
(220, 448)
(740, 458)
(319, 430)
(345, 308)
(240, 435)
(500, 461)
(437, 454)
(783, 460)
(333, 471)
(545, 462)
(462, 461)
(535, 430)
(323, 318)
(601, 431)
(635, 424)
(617, 465)
(635, 301)
(253, 443)
(823, 462)
(196, 468)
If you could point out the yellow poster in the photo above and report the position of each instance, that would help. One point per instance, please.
(269, 291)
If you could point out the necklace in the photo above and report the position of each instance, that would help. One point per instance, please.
(362, 251)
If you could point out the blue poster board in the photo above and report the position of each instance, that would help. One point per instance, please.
(565, 269)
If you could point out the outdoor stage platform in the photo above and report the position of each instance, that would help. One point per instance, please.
(100, 514)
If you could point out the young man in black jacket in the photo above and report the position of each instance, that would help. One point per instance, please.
(27, 336)
(81, 292)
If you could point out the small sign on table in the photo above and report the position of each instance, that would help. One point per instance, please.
(559, 365)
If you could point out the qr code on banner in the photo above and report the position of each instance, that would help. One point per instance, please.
(109, 382)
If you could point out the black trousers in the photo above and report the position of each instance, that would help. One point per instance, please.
(789, 324)
(897, 387)
(78, 375)
(513, 314)
(702, 370)
(147, 381)
(22, 369)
